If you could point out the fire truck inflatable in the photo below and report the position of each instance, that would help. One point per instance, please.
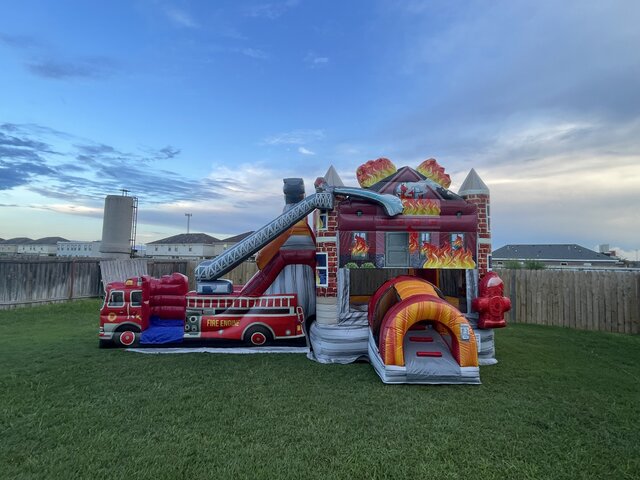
(149, 311)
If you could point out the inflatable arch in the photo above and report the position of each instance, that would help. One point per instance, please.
(392, 291)
(449, 323)
(445, 351)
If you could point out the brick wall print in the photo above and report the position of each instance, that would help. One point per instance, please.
(481, 201)
(326, 243)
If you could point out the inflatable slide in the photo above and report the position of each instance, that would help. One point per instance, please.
(415, 336)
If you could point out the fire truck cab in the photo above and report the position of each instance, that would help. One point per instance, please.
(121, 313)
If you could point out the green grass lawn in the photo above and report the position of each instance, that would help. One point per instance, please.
(560, 404)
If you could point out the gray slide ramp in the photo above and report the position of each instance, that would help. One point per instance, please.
(429, 340)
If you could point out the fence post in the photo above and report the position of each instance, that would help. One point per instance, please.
(72, 278)
(513, 296)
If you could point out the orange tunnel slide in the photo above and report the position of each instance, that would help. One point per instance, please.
(405, 301)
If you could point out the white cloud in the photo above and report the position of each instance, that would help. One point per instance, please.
(315, 61)
(250, 52)
(305, 151)
(272, 10)
(180, 17)
(294, 137)
(254, 199)
(254, 53)
(632, 255)
(566, 199)
(71, 209)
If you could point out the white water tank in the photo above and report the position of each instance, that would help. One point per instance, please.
(116, 226)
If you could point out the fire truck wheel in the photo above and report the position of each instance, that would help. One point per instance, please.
(257, 336)
(127, 337)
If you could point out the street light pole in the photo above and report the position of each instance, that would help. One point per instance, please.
(188, 215)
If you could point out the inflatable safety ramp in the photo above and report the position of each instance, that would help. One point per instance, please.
(415, 336)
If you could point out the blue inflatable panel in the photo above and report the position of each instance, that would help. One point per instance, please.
(163, 331)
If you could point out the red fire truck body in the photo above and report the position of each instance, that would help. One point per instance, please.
(146, 310)
(231, 317)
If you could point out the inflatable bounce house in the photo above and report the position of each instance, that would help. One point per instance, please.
(396, 272)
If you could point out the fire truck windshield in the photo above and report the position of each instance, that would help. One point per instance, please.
(136, 298)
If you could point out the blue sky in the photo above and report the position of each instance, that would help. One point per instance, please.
(203, 107)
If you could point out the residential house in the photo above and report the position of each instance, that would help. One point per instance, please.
(192, 246)
(570, 256)
(46, 246)
(78, 249)
(10, 246)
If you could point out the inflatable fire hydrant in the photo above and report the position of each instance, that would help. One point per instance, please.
(491, 304)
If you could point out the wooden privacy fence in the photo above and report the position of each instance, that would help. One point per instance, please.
(36, 281)
(239, 275)
(589, 300)
(242, 273)
(158, 268)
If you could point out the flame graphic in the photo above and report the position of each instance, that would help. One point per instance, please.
(446, 257)
(420, 207)
(359, 247)
(374, 170)
(413, 242)
(432, 170)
